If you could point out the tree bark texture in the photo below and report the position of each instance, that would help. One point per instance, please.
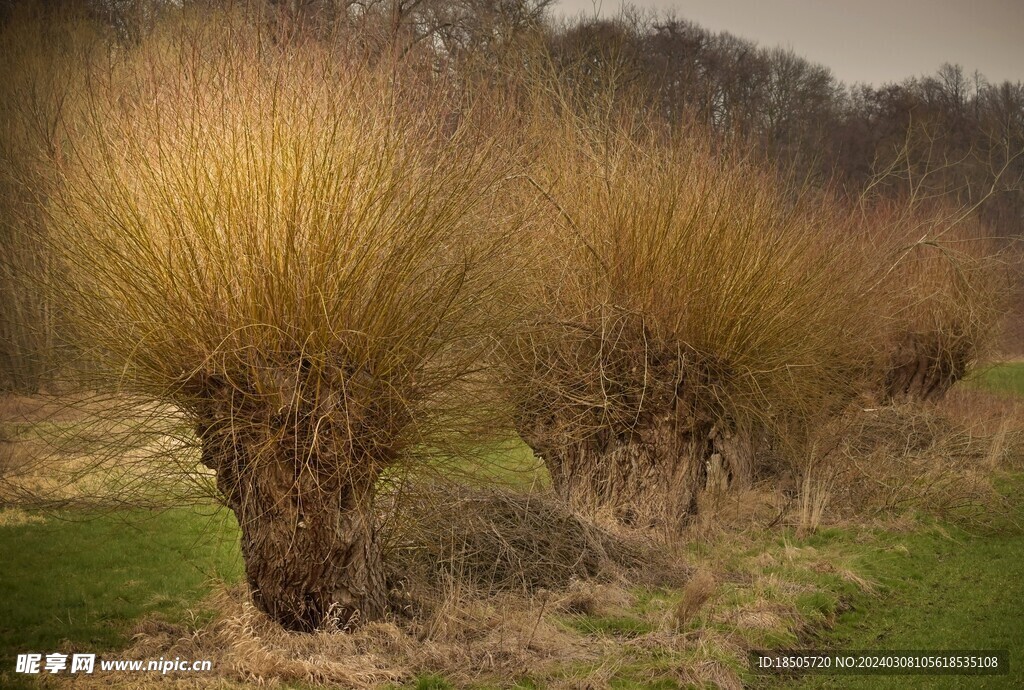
(733, 460)
(303, 493)
(308, 540)
(925, 367)
(627, 425)
(646, 476)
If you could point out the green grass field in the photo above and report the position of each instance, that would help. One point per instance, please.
(941, 589)
(1000, 378)
(83, 580)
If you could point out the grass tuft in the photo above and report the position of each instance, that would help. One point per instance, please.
(697, 592)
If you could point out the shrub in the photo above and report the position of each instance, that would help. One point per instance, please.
(299, 252)
(687, 309)
(943, 284)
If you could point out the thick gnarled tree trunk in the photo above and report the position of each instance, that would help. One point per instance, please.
(649, 475)
(308, 535)
(735, 450)
(625, 423)
(925, 367)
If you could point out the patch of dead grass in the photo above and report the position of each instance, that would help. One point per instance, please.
(939, 459)
(696, 594)
(15, 517)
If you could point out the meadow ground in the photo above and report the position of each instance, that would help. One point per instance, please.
(940, 588)
(1005, 378)
(89, 580)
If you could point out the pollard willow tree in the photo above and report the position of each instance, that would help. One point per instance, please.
(301, 255)
(944, 285)
(687, 309)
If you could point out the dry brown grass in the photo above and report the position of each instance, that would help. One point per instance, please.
(698, 590)
(13, 517)
(942, 461)
(498, 540)
(981, 411)
(471, 640)
(815, 492)
(474, 640)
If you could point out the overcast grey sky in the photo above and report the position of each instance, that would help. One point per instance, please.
(871, 41)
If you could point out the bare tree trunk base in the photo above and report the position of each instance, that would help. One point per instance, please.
(308, 540)
(925, 367)
(647, 477)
